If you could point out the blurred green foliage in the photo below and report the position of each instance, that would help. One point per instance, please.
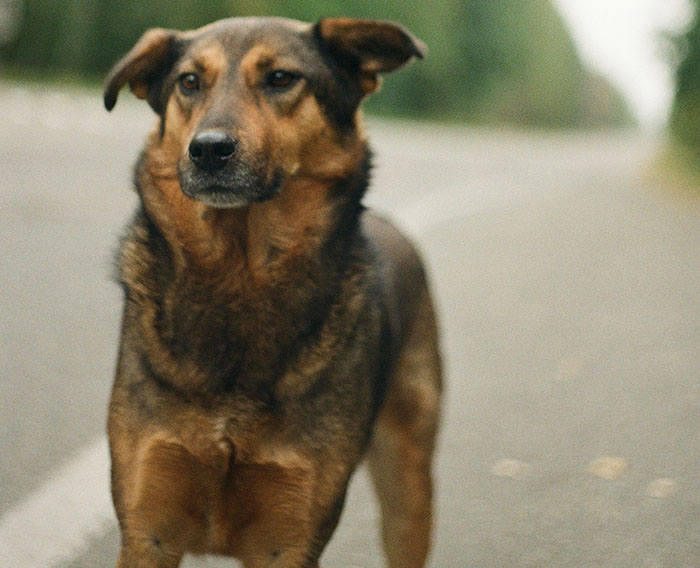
(685, 115)
(490, 61)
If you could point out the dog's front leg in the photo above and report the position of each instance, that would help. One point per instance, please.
(161, 500)
(148, 554)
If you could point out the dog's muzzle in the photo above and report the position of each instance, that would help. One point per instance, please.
(217, 171)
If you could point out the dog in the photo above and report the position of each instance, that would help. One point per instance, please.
(274, 331)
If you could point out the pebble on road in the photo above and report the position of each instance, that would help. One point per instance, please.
(607, 467)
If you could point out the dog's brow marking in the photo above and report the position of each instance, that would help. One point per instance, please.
(55, 523)
(212, 61)
(265, 60)
(259, 57)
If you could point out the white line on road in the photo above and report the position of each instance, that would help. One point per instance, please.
(433, 209)
(55, 522)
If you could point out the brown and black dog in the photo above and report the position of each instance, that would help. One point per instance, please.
(274, 332)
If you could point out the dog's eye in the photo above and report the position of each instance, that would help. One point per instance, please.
(279, 79)
(189, 83)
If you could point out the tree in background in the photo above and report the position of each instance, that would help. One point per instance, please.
(504, 61)
(685, 116)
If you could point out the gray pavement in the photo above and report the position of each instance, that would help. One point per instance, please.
(569, 292)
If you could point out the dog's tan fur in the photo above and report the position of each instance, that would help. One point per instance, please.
(273, 333)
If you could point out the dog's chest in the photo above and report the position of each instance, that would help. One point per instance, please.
(241, 336)
(231, 486)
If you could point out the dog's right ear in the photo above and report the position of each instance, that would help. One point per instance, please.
(143, 68)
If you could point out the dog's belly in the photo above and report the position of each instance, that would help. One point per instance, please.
(219, 504)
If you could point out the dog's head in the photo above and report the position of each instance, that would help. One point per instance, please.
(248, 103)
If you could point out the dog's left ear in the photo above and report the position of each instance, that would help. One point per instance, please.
(147, 62)
(369, 47)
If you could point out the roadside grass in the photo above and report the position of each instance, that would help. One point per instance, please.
(48, 78)
(677, 168)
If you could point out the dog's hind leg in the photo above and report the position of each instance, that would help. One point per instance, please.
(400, 454)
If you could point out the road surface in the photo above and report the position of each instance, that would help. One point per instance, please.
(568, 287)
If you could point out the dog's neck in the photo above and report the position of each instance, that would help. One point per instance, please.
(244, 261)
(308, 214)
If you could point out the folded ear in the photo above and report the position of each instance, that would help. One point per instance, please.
(143, 68)
(369, 46)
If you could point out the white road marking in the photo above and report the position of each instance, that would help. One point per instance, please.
(437, 208)
(432, 209)
(55, 522)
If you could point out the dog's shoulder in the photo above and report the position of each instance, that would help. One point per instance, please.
(400, 269)
(394, 247)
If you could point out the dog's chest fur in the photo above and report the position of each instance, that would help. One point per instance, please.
(270, 336)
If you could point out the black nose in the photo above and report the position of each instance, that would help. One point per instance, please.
(211, 149)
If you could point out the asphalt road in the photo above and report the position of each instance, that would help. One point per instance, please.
(569, 292)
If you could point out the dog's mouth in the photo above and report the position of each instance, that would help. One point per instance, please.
(233, 186)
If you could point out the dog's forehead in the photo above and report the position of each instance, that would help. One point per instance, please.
(237, 36)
